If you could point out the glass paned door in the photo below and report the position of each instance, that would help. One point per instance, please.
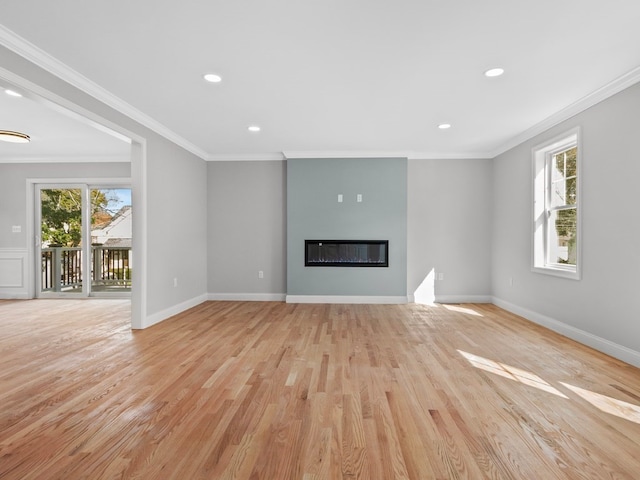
(111, 228)
(84, 242)
(61, 241)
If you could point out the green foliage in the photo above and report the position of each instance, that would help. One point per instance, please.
(567, 219)
(62, 214)
(121, 273)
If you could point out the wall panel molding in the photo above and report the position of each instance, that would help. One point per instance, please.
(13, 273)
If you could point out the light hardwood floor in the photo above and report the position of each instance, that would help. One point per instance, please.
(278, 391)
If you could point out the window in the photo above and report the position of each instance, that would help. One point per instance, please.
(556, 206)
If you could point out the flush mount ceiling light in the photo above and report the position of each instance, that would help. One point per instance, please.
(12, 93)
(494, 72)
(212, 77)
(253, 128)
(444, 126)
(14, 137)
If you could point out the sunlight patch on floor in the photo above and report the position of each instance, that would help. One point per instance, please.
(459, 309)
(621, 409)
(512, 373)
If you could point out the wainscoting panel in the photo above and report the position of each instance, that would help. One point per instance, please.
(13, 273)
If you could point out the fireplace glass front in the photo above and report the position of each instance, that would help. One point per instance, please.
(346, 253)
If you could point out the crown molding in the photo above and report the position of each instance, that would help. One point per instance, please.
(67, 159)
(37, 56)
(244, 157)
(595, 97)
(411, 155)
(40, 58)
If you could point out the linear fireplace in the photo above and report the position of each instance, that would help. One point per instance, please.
(346, 253)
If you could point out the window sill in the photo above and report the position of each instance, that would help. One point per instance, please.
(572, 274)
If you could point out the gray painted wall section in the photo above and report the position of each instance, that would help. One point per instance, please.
(247, 227)
(313, 213)
(604, 302)
(177, 225)
(449, 229)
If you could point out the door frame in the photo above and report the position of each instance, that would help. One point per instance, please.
(138, 182)
(85, 186)
(34, 185)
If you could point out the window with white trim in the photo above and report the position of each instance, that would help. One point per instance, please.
(556, 206)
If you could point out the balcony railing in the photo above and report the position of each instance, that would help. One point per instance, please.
(62, 269)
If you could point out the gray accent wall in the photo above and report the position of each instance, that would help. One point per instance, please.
(603, 303)
(247, 228)
(314, 213)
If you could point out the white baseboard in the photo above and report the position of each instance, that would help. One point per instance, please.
(247, 297)
(362, 299)
(464, 299)
(174, 310)
(6, 294)
(603, 345)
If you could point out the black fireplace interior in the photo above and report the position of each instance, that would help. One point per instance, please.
(346, 253)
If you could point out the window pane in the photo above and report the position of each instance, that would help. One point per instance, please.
(61, 240)
(558, 194)
(571, 156)
(571, 185)
(563, 178)
(562, 237)
(111, 227)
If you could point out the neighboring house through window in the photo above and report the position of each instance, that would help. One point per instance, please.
(556, 206)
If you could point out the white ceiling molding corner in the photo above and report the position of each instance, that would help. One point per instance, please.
(244, 157)
(383, 154)
(449, 156)
(66, 159)
(291, 154)
(613, 87)
(35, 55)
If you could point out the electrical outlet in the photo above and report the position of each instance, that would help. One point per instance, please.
(175, 282)
(260, 274)
(16, 229)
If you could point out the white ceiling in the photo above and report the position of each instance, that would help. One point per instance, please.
(56, 134)
(340, 76)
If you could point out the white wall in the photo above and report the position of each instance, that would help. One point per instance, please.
(247, 230)
(449, 230)
(601, 309)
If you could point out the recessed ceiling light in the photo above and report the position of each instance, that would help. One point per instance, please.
(212, 77)
(494, 72)
(444, 126)
(14, 137)
(12, 93)
(253, 128)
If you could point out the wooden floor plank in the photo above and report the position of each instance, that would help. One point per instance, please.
(268, 390)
